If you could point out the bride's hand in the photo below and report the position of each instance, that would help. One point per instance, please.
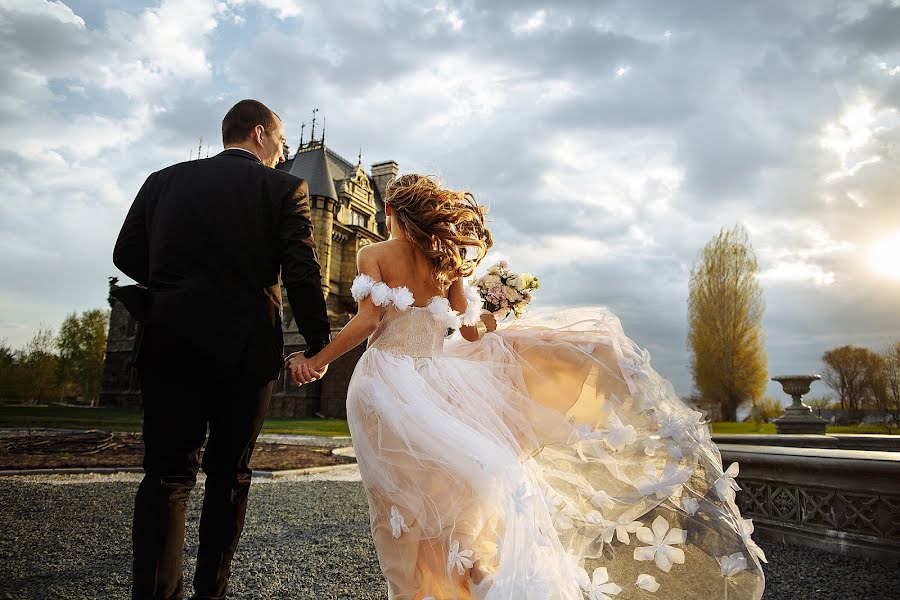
(490, 322)
(302, 371)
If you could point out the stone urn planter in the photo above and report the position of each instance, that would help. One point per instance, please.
(798, 417)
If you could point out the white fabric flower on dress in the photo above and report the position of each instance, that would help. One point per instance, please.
(690, 506)
(620, 528)
(680, 427)
(586, 440)
(647, 582)
(602, 500)
(725, 485)
(536, 585)
(733, 564)
(439, 308)
(665, 484)
(361, 287)
(619, 435)
(581, 575)
(561, 513)
(652, 445)
(564, 518)
(594, 517)
(381, 294)
(601, 587)
(460, 560)
(522, 499)
(474, 302)
(745, 528)
(670, 425)
(661, 540)
(403, 298)
(398, 525)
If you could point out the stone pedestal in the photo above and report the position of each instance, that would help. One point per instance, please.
(798, 418)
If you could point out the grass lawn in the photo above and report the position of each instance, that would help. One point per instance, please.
(769, 428)
(122, 419)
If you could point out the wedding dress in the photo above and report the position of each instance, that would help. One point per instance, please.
(547, 460)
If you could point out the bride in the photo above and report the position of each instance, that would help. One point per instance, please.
(545, 459)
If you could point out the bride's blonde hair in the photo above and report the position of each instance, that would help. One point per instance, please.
(442, 223)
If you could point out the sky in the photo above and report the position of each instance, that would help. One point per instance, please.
(611, 141)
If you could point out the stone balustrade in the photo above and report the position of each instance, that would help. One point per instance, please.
(845, 501)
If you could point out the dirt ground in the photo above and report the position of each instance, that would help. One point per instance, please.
(103, 449)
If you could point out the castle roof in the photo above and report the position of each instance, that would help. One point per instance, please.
(312, 164)
(324, 170)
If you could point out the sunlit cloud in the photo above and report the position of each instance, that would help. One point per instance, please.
(848, 136)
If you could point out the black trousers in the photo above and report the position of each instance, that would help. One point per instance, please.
(183, 394)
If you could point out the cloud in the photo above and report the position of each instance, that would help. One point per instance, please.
(611, 140)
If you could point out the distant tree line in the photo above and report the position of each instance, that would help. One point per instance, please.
(864, 379)
(51, 366)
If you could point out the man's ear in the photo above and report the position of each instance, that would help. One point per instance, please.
(258, 133)
(388, 211)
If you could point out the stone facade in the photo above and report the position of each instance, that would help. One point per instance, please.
(347, 207)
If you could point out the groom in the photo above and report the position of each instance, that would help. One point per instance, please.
(210, 240)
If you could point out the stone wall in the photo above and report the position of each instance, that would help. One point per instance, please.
(845, 501)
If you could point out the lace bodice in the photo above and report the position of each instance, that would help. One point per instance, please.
(409, 330)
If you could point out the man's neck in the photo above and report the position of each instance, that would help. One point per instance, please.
(233, 147)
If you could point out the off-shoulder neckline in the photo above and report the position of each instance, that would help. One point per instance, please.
(402, 299)
(397, 288)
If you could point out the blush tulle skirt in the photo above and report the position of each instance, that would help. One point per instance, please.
(546, 461)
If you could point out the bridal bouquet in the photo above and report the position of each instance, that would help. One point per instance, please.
(506, 291)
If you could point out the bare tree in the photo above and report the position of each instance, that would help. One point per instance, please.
(892, 377)
(846, 373)
(725, 311)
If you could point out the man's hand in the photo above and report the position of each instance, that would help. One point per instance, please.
(303, 370)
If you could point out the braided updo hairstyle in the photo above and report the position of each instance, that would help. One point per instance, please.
(442, 223)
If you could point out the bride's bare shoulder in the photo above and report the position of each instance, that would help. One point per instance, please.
(385, 248)
(381, 253)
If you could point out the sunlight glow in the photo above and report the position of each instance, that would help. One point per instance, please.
(885, 256)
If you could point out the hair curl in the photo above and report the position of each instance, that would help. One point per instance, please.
(442, 223)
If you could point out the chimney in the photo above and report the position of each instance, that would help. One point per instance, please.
(384, 173)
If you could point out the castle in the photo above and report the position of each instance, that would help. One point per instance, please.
(347, 207)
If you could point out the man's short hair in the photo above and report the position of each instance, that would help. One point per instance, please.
(243, 117)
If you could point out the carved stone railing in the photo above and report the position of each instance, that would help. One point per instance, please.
(845, 501)
(839, 441)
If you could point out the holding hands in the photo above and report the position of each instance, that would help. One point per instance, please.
(303, 370)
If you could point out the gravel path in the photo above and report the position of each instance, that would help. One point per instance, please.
(303, 539)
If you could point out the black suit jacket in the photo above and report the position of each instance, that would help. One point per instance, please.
(210, 239)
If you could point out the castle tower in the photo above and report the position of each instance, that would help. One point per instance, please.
(311, 163)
